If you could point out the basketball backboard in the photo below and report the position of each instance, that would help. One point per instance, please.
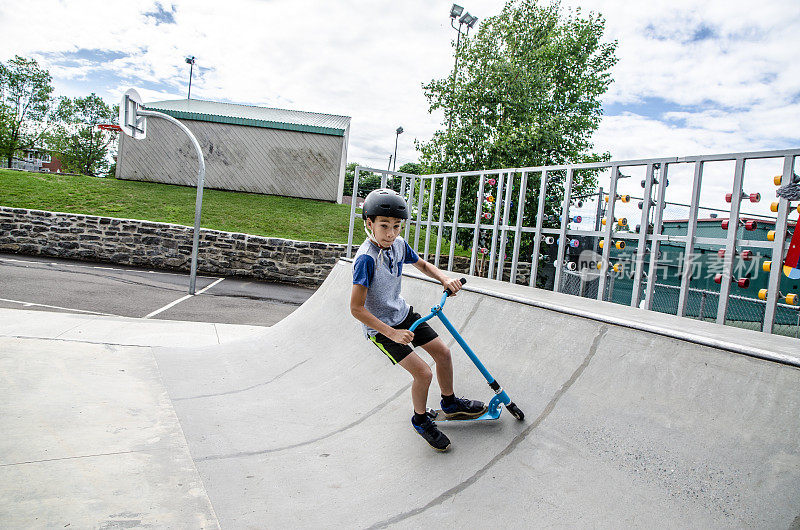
(132, 123)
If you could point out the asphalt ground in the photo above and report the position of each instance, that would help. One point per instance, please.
(59, 285)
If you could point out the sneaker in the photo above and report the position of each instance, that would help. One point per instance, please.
(464, 409)
(432, 434)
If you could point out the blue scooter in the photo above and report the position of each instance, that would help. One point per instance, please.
(500, 396)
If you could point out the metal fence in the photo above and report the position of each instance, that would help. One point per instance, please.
(553, 221)
(743, 312)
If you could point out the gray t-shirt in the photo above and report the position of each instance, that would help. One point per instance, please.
(380, 271)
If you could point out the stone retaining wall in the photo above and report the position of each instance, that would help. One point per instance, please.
(164, 246)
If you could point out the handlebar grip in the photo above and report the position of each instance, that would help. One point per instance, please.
(462, 280)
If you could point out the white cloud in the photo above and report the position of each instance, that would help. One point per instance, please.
(745, 47)
(733, 89)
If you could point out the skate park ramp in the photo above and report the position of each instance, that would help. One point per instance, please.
(309, 425)
(633, 419)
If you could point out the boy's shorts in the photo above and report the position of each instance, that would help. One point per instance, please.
(396, 352)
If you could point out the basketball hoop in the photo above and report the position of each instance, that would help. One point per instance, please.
(133, 122)
(110, 127)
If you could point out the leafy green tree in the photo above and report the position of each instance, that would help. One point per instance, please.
(367, 181)
(526, 93)
(25, 102)
(414, 168)
(81, 145)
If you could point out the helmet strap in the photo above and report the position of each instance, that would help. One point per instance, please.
(370, 235)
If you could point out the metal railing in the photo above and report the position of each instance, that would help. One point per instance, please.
(504, 215)
(702, 304)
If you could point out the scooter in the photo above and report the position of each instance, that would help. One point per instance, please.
(500, 397)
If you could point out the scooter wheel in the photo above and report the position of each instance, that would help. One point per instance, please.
(514, 410)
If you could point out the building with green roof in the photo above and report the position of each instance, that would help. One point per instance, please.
(246, 148)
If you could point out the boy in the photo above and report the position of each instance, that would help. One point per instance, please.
(375, 301)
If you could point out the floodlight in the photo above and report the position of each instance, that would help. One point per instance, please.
(399, 130)
(470, 21)
(467, 19)
(190, 60)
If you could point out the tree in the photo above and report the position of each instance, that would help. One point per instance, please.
(25, 99)
(414, 168)
(527, 93)
(81, 145)
(367, 180)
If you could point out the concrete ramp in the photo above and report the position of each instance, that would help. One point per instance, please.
(308, 425)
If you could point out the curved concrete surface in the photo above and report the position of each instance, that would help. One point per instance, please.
(307, 425)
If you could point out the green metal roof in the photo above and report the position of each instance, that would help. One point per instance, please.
(289, 120)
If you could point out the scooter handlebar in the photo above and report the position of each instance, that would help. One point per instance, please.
(462, 280)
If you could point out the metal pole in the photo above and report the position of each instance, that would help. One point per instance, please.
(455, 71)
(353, 200)
(476, 234)
(396, 137)
(642, 242)
(730, 244)
(655, 244)
(198, 205)
(523, 187)
(597, 219)
(775, 273)
(703, 304)
(609, 215)
(691, 231)
(441, 222)
(562, 233)
(537, 240)
(191, 68)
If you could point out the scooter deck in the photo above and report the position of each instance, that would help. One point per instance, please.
(439, 415)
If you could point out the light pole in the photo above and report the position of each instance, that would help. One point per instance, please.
(467, 20)
(190, 62)
(399, 131)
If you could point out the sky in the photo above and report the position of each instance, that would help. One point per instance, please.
(693, 77)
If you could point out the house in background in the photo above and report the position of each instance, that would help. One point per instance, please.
(36, 159)
(246, 148)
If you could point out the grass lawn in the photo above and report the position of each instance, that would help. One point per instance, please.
(250, 213)
(230, 211)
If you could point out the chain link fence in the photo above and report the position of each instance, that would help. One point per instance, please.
(701, 304)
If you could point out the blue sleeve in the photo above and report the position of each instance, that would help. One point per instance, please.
(363, 270)
(411, 256)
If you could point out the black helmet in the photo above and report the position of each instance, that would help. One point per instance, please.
(385, 202)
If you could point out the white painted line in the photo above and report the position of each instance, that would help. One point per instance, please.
(176, 302)
(210, 286)
(31, 304)
(139, 271)
(179, 300)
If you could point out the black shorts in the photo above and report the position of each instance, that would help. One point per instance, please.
(397, 352)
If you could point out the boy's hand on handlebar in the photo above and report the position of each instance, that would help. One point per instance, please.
(401, 336)
(453, 285)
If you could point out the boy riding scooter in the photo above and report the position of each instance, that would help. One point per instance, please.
(376, 301)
